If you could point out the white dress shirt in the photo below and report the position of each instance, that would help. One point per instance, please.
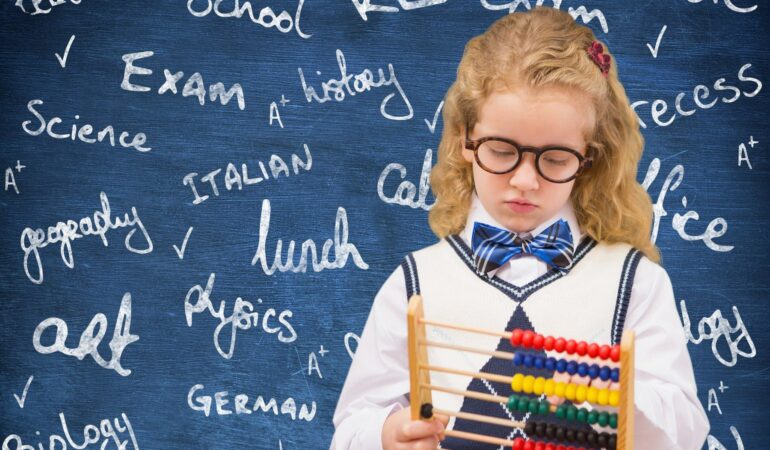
(668, 412)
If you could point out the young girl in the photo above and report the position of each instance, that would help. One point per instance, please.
(543, 227)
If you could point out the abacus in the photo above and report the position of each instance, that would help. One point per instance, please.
(540, 436)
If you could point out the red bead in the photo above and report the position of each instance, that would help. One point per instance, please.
(570, 347)
(559, 345)
(593, 350)
(548, 343)
(539, 446)
(518, 444)
(615, 353)
(582, 348)
(529, 445)
(604, 352)
(537, 342)
(526, 339)
(550, 446)
(516, 337)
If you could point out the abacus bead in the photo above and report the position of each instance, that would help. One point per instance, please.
(549, 386)
(561, 365)
(528, 360)
(559, 345)
(593, 371)
(604, 397)
(570, 435)
(570, 346)
(569, 392)
(580, 437)
(591, 438)
(526, 338)
(571, 412)
(529, 445)
(602, 440)
(581, 415)
(539, 362)
(604, 373)
(593, 350)
(615, 353)
(582, 369)
(543, 408)
(518, 359)
(580, 393)
(529, 428)
(518, 444)
(593, 417)
(561, 411)
(548, 343)
(614, 398)
(516, 337)
(534, 406)
(592, 395)
(571, 367)
(560, 433)
(604, 351)
(540, 429)
(539, 446)
(612, 441)
(559, 388)
(615, 375)
(604, 418)
(550, 363)
(537, 342)
(513, 402)
(539, 385)
(529, 382)
(524, 404)
(550, 431)
(582, 348)
(550, 446)
(614, 420)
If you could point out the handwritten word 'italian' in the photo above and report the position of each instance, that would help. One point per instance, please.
(283, 22)
(717, 328)
(91, 338)
(406, 192)
(32, 240)
(242, 404)
(108, 432)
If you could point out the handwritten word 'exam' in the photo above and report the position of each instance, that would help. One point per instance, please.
(193, 87)
(107, 432)
(234, 177)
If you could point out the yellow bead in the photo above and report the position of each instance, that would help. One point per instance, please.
(539, 385)
(580, 393)
(529, 382)
(517, 382)
(549, 386)
(569, 391)
(604, 397)
(614, 398)
(592, 395)
(558, 390)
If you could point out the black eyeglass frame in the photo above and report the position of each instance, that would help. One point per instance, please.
(585, 162)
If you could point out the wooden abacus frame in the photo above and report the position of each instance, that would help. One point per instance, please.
(421, 387)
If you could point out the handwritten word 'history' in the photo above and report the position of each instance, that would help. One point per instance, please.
(362, 82)
(283, 22)
(108, 432)
(243, 317)
(235, 178)
(32, 240)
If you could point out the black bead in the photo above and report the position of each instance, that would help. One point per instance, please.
(580, 437)
(550, 431)
(540, 429)
(559, 433)
(591, 438)
(602, 440)
(529, 428)
(426, 411)
(612, 442)
(570, 435)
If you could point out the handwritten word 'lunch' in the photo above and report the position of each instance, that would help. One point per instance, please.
(342, 249)
(32, 240)
(362, 82)
(242, 404)
(283, 22)
(81, 132)
(243, 316)
(406, 192)
(193, 87)
(108, 432)
(716, 327)
(91, 338)
(235, 178)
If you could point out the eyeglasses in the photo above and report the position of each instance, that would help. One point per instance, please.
(554, 163)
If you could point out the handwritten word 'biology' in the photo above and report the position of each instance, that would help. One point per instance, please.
(108, 432)
(717, 328)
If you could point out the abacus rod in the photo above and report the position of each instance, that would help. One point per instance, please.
(480, 418)
(495, 353)
(482, 375)
(478, 438)
(503, 334)
(477, 395)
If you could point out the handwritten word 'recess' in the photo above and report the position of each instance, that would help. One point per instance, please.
(715, 328)
(283, 22)
(91, 338)
(243, 316)
(362, 82)
(342, 249)
(242, 404)
(32, 240)
(193, 87)
(239, 178)
(108, 432)
(81, 132)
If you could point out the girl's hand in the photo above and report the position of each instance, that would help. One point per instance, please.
(598, 383)
(400, 432)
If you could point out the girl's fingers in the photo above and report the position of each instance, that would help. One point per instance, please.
(419, 430)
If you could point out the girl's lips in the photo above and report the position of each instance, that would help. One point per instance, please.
(520, 207)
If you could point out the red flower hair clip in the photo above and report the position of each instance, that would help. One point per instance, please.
(596, 52)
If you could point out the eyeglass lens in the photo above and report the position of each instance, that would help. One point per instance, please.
(555, 164)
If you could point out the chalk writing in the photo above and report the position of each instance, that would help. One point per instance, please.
(91, 338)
(717, 328)
(32, 240)
(731, 6)
(108, 432)
(365, 6)
(342, 248)
(714, 444)
(363, 82)
(243, 317)
(242, 404)
(283, 22)
(406, 192)
(38, 5)
(351, 337)
(10, 178)
(579, 12)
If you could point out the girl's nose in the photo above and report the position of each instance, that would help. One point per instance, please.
(525, 177)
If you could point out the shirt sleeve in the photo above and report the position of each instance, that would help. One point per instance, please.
(378, 379)
(668, 412)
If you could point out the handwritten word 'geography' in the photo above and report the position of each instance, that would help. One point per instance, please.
(342, 249)
(283, 22)
(407, 191)
(243, 316)
(233, 177)
(714, 328)
(32, 240)
(193, 87)
(91, 338)
(241, 404)
(363, 82)
(91, 435)
(83, 132)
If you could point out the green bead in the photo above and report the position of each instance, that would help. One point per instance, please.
(571, 411)
(581, 415)
(593, 416)
(561, 411)
(543, 408)
(604, 418)
(534, 406)
(523, 404)
(513, 403)
(614, 420)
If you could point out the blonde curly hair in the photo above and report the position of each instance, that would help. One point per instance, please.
(540, 48)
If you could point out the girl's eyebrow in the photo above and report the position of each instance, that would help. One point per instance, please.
(503, 135)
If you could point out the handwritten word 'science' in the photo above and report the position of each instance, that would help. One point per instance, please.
(283, 22)
(33, 239)
(342, 249)
(91, 338)
(243, 317)
(193, 87)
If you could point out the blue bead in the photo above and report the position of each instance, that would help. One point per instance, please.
(604, 373)
(593, 371)
(582, 369)
(550, 363)
(571, 367)
(539, 362)
(616, 375)
(518, 359)
(561, 365)
(528, 360)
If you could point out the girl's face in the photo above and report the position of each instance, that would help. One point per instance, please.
(552, 116)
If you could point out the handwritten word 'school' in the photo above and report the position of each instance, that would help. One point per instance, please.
(239, 178)
(107, 432)
(716, 228)
(716, 327)
(91, 338)
(362, 82)
(283, 22)
(406, 192)
(243, 317)
(193, 87)
(699, 95)
(242, 404)
(32, 240)
(580, 12)
(342, 249)
(81, 132)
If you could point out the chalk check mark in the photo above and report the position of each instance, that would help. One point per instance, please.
(63, 60)
(432, 126)
(180, 252)
(23, 398)
(657, 43)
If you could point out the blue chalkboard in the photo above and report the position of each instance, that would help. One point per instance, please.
(202, 199)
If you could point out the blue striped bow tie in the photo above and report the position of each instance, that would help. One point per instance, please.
(493, 247)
